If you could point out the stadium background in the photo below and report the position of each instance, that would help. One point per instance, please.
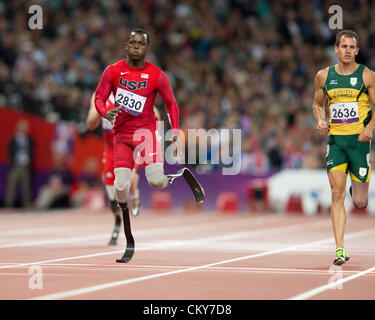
(232, 64)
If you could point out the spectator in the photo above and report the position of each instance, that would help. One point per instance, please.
(20, 154)
(222, 58)
(63, 139)
(56, 191)
(87, 180)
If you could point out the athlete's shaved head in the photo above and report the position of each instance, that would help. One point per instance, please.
(137, 47)
(141, 31)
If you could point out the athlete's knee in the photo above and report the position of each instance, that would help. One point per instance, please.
(122, 178)
(360, 203)
(155, 176)
(337, 195)
(360, 195)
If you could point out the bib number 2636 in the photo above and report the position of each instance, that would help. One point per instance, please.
(344, 112)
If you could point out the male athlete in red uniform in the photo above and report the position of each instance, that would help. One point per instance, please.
(135, 83)
(92, 122)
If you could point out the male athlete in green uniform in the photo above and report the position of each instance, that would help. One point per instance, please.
(349, 87)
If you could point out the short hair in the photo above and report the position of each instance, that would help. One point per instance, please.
(346, 33)
(140, 30)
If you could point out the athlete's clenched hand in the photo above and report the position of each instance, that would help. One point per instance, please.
(322, 127)
(366, 135)
(112, 114)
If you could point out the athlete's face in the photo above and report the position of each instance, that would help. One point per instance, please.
(347, 50)
(136, 47)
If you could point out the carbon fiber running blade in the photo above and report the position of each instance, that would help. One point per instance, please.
(130, 244)
(115, 232)
(129, 251)
(194, 185)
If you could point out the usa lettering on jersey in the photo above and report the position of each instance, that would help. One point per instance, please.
(132, 84)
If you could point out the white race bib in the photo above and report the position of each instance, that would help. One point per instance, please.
(130, 102)
(345, 112)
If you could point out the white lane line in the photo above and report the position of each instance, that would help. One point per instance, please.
(41, 230)
(171, 244)
(168, 221)
(330, 285)
(53, 241)
(217, 268)
(75, 292)
(153, 231)
(18, 265)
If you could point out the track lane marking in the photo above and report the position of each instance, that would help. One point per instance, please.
(151, 231)
(108, 285)
(218, 268)
(176, 243)
(332, 285)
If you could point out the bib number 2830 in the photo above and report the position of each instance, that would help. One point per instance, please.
(130, 102)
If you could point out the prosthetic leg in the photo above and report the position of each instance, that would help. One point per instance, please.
(130, 245)
(116, 229)
(192, 181)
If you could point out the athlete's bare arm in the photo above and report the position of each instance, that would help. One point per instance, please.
(93, 117)
(319, 101)
(369, 81)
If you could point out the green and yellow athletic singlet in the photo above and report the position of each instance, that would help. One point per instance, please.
(348, 102)
(349, 113)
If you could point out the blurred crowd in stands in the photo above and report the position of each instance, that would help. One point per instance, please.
(232, 64)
